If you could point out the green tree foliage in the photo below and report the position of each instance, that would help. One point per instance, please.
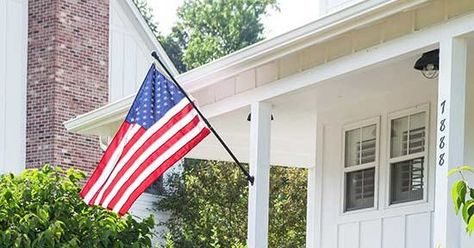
(210, 29)
(463, 197)
(147, 13)
(42, 208)
(208, 205)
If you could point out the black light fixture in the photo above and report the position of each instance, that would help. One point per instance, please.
(428, 64)
(249, 117)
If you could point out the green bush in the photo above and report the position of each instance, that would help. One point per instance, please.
(463, 196)
(42, 208)
(208, 205)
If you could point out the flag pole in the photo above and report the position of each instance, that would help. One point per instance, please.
(246, 173)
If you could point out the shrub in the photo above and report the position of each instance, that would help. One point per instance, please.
(208, 205)
(463, 196)
(42, 208)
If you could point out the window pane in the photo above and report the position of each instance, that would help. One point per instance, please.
(352, 148)
(368, 146)
(360, 189)
(399, 137)
(407, 181)
(417, 133)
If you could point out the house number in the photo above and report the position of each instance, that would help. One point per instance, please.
(442, 130)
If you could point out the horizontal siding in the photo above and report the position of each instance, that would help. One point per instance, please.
(13, 50)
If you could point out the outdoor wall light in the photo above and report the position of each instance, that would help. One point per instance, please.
(249, 117)
(428, 64)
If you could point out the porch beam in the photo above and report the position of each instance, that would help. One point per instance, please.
(450, 137)
(257, 236)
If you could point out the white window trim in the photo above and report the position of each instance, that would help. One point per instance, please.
(425, 154)
(375, 164)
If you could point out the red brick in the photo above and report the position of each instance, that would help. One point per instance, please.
(67, 76)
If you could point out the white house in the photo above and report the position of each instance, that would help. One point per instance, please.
(377, 136)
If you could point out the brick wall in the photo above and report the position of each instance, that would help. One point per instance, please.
(67, 76)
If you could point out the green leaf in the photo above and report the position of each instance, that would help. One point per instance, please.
(470, 226)
(458, 194)
(467, 168)
(452, 171)
(468, 211)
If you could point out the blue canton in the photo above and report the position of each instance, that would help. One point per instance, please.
(156, 97)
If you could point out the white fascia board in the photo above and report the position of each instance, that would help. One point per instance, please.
(102, 116)
(325, 28)
(145, 31)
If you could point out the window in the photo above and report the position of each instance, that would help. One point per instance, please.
(360, 158)
(408, 136)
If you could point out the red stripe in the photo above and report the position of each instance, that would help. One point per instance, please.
(136, 136)
(105, 158)
(161, 169)
(168, 125)
(131, 142)
(163, 148)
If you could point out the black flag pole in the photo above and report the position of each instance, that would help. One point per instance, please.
(246, 173)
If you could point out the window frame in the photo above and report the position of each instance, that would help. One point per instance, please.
(425, 155)
(375, 164)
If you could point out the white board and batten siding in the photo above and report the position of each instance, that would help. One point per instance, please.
(129, 51)
(406, 225)
(13, 74)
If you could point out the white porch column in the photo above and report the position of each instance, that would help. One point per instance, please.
(450, 137)
(313, 205)
(257, 232)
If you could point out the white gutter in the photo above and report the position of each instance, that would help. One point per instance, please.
(318, 31)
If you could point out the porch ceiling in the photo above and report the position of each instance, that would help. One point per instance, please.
(294, 128)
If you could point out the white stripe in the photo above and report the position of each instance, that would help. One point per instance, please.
(152, 148)
(132, 129)
(157, 163)
(148, 133)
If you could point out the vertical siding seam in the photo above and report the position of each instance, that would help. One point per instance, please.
(360, 233)
(3, 85)
(405, 230)
(381, 231)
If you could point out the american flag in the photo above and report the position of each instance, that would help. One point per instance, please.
(161, 127)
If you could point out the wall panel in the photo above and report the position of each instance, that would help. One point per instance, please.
(393, 235)
(417, 232)
(129, 52)
(13, 52)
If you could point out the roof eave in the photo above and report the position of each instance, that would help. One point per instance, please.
(255, 55)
